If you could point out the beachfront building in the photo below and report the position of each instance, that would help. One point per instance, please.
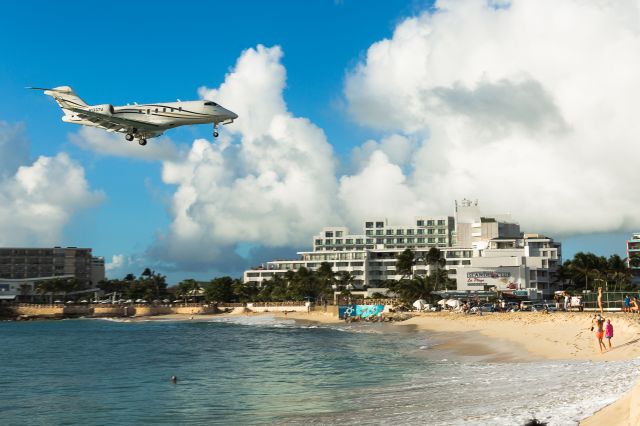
(524, 266)
(476, 248)
(633, 257)
(22, 268)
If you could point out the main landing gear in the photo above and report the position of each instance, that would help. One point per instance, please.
(215, 130)
(128, 137)
(142, 142)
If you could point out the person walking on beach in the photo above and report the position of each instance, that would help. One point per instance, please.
(627, 304)
(600, 300)
(566, 301)
(598, 324)
(608, 332)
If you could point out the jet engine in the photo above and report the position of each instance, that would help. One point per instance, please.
(102, 109)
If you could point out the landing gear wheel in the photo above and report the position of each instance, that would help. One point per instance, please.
(129, 137)
(215, 134)
(215, 130)
(142, 142)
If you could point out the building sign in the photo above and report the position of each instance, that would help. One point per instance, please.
(488, 274)
(502, 278)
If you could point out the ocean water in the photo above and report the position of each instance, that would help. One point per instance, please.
(262, 370)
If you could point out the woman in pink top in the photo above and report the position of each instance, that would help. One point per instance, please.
(608, 332)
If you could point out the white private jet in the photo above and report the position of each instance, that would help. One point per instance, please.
(138, 121)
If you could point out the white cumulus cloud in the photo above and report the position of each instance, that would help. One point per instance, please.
(38, 200)
(528, 105)
(276, 186)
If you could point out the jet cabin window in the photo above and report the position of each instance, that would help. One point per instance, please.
(211, 103)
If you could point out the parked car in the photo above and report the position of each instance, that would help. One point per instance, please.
(487, 307)
(513, 306)
(526, 305)
(551, 307)
(537, 307)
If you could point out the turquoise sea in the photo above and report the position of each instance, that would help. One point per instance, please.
(262, 370)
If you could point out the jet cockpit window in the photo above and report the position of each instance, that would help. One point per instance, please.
(211, 103)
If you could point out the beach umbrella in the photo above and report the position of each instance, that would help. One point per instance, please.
(419, 304)
(454, 303)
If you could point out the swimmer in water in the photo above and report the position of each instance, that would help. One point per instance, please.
(174, 379)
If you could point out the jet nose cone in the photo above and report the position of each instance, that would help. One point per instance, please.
(232, 115)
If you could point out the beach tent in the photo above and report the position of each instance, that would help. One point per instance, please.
(419, 304)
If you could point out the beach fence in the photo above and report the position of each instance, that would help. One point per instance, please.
(611, 300)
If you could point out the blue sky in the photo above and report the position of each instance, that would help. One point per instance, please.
(123, 52)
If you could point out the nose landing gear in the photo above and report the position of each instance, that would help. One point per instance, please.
(215, 130)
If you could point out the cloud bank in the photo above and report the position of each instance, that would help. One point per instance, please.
(527, 105)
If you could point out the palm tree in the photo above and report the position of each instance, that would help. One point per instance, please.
(434, 258)
(405, 262)
(188, 288)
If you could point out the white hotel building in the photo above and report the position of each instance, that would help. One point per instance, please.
(481, 252)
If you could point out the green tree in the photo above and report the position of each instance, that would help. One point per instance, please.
(435, 259)
(405, 262)
(219, 290)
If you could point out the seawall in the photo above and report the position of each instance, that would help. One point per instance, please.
(29, 311)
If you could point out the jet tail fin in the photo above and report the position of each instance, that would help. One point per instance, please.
(65, 97)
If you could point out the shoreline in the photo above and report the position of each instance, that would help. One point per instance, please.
(501, 337)
(529, 337)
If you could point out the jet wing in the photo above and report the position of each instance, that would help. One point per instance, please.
(113, 123)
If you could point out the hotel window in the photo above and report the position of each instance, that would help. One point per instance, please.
(420, 240)
(441, 240)
(379, 224)
(328, 242)
(441, 231)
(389, 231)
(430, 231)
(379, 241)
(379, 232)
(318, 242)
(359, 241)
(338, 233)
(431, 240)
(399, 231)
(349, 241)
(420, 223)
(410, 240)
(430, 223)
(156, 109)
(420, 231)
(400, 240)
(441, 222)
(368, 225)
(369, 240)
(409, 231)
(328, 234)
(369, 232)
(338, 242)
(164, 110)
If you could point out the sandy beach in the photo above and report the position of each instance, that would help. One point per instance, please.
(518, 337)
(530, 336)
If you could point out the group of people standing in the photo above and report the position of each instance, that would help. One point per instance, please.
(604, 330)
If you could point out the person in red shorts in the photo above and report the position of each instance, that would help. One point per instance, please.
(598, 324)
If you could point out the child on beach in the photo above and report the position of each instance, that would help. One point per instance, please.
(608, 332)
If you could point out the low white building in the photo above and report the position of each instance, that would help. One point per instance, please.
(525, 266)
